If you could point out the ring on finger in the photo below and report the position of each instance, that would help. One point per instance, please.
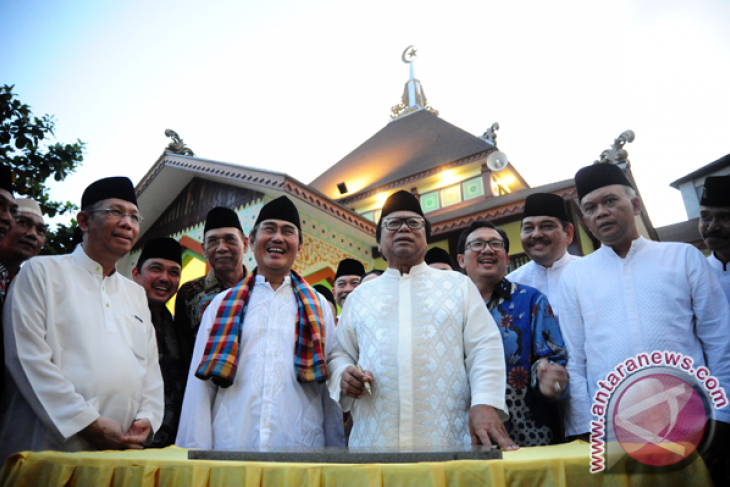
(557, 387)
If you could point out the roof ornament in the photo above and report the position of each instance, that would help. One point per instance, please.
(177, 146)
(491, 134)
(414, 98)
(617, 154)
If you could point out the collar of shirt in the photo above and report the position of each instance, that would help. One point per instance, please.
(415, 270)
(636, 246)
(211, 282)
(717, 263)
(503, 291)
(261, 281)
(88, 263)
(561, 262)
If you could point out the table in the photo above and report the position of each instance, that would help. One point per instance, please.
(558, 465)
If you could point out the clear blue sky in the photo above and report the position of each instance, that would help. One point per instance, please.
(294, 86)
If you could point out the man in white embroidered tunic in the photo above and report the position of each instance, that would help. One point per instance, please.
(715, 226)
(545, 232)
(266, 393)
(430, 351)
(634, 296)
(80, 348)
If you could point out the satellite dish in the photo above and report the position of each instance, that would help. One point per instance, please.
(497, 161)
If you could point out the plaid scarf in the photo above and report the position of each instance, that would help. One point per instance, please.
(220, 359)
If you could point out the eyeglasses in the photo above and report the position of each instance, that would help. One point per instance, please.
(119, 214)
(479, 245)
(413, 222)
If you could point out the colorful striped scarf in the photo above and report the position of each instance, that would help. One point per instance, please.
(220, 359)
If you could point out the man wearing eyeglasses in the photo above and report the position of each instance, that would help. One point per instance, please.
(545, 232)
(534, 351)
(25, 239)
(224, 246)
(428, 349)
(81, 348)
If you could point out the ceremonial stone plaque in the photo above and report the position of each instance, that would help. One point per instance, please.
(344, 455)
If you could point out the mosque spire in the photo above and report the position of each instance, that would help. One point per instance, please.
(414, 98)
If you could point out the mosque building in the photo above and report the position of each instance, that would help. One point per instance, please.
(457, 176)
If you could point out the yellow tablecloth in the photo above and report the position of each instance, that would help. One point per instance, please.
(558, 465)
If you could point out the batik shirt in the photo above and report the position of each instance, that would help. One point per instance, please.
(193, 298)
(174, 374)
(529, 332)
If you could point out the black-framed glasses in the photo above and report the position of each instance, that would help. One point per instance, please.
(412, 222)
(119, 214)
(479, 245)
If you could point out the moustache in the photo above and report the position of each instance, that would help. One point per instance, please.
(721, 235)
(543, 241)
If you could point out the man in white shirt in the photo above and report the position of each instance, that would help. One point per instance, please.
(634, 296)
(256, 377)
(545, 232)
(81, 354)
(715, 226)
(432, 354)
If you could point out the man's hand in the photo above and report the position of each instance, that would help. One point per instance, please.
(484, 423)
(107, 434)
(139, 432)
(549, 374)
(353, 381)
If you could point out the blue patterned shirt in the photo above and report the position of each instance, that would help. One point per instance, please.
(529, 332)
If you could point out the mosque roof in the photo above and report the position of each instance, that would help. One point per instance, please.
(410, 144)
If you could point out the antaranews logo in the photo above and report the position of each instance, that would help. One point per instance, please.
(655, 406)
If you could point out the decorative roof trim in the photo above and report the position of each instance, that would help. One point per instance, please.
(258, 177)
(348, 200)
(499, 212)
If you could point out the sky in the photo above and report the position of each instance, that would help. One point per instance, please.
(295, 86)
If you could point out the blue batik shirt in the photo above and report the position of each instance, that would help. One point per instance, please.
(529, 332)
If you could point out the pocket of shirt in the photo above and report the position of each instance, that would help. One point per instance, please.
(134, 334)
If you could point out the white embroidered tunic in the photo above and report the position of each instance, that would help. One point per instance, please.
(265, 408)
(544, 279)
(79, 345)
(662, 296)
(434, 351)
(723, 273)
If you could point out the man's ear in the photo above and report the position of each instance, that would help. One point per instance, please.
(636, 204)
(135, 273)
(570, 230)
(82, 219)
(460, 258)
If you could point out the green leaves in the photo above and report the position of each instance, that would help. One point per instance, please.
(21, 135)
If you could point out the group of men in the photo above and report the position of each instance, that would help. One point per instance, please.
(419, 356)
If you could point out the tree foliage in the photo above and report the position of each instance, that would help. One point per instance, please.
(24, 147)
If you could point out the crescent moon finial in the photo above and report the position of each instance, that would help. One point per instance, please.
(409, 54)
